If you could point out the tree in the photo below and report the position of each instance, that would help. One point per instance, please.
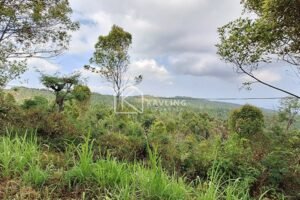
(288, 111)
(32, 28)
(62, 87)
(112, 59)
(82, 93)
(274, 34)
(246, 121)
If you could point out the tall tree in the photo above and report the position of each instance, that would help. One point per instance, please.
(32, 28)
(62, 87)
(112, 60)
(272, 36)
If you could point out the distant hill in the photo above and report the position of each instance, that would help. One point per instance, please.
(220, 109)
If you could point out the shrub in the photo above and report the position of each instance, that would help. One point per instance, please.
(121, 146)
(82, 93)
(246, 121)
(235, 159)
(36, 102)
(158, 128)
(10, 114)
(50, 124)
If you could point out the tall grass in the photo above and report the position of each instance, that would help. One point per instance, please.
(17, 154)
(83, 167)
(111, 179)
(35, 176)
(119, 180)
(216, 187)
(123, 180)
(20, 157)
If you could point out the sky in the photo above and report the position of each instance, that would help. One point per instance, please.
(173, 48)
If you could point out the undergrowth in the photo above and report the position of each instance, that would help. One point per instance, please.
(106, 178)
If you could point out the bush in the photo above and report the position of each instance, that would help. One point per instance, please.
(36, 102)
(235, 159)
(246, 121)
(122, 147)
(158, 128)
(10, 114)
(82, 93)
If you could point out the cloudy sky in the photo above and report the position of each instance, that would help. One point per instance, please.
(173, 48)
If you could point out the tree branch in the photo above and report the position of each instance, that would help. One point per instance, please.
(267, 84)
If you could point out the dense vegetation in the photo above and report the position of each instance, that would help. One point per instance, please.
(67, 143)
(87, 151)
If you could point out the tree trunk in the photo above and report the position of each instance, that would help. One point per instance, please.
(118, 102)
(60, 103)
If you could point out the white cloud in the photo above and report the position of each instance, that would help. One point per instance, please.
(158, 27)
(265, 75)
(150, 70)
(42, 65)
(92, 25)
(160, 30)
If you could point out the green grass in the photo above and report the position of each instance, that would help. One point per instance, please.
(35, 176)
(17, 154)
(125, 180)
(107, 178)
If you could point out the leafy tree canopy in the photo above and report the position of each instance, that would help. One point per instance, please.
(112, 59)
(246, 121)
(32, 28)
(274, 34)
(62, 87)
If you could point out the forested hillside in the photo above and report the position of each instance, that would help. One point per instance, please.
(218, 109)
(68, 142)
(88, 151)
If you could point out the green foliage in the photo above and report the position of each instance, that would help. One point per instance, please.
(277, 166)
(249, 42)
(35, 176)
(17, 154)
(43, 29)
(112, 48)
(82, 169)
(62, 87)
(288, 111)
(185, 144)
(246, 121)
(197, 123)
(236, 159)
(51, 126)
(110, 174)
(219, 188)
(158, 128)
(231, 171)
(9, 111)
(112, 58)
(81, 93)
(122, 147)
(36, 102)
